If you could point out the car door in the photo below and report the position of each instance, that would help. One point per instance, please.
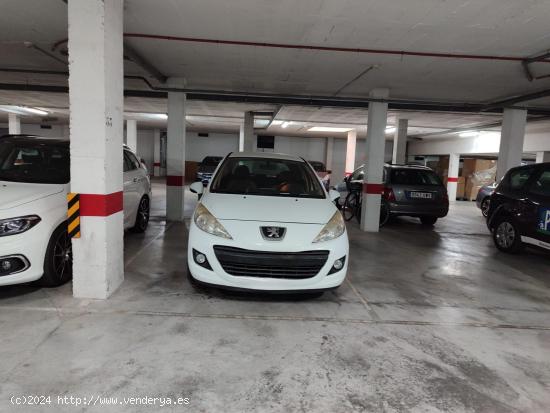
(132, 183)
(539, 198)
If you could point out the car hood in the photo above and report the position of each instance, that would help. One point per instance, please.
(269, 208)
(14, 194)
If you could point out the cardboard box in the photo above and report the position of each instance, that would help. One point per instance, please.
(461, 188)
(469, 166)
(191, 168)
(471, 190)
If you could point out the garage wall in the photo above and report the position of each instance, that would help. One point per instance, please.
(486, 142)
(216, 144)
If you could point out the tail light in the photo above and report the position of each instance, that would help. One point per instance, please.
(388, 194)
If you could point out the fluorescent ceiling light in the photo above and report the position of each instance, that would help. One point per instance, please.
(36, 111)
(328, 129)
(469, 134)
(390, 129)
(277, 123)
(284, 125)
(261, 123)
(22, 110)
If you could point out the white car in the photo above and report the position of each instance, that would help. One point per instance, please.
(266, 223)
(34, 181)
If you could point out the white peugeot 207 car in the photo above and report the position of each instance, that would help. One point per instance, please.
(34, 181)
(266, 223)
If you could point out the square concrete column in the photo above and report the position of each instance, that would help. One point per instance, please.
(452, 176)
(400, 142)
(511, 140)
(246, 135)
(543, 157)
(14, 124)
(96, 119)
(156, 153)
(175, 153)
(329, 153)
(350, 152)
(131, 134)
(376, 143)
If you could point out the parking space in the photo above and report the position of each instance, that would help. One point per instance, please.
(427, 319)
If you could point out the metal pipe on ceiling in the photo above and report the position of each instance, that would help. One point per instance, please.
(319, 48)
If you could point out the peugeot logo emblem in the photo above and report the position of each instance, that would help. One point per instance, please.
(273, 233)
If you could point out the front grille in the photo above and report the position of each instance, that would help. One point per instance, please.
(288, 265)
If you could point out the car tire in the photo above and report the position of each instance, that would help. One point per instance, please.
(142, 216)
(506, 236)
(428, 220)
(58, 262)
(485, 204)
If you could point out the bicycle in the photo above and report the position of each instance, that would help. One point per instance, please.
(353, 204)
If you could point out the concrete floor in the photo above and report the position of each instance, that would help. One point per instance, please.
(428, 320)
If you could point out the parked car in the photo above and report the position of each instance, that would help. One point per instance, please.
(34, 181)
(410, 190)
(483, 198)
(206, 168)
(266, 223)
(519, 211)
(322, 172)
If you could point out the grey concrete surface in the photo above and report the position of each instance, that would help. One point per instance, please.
(429, 320)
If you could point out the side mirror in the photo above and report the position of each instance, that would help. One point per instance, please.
(329, 171)
(197, 188)
(334, 195)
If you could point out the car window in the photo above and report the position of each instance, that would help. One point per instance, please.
(133, 162)
(211, 160)
(34, 163)
(519, 178)
(268, 177)
(542, 185)
(414, 177)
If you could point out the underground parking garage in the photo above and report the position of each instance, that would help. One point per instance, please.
(274, 206)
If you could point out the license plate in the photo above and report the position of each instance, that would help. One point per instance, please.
(421, 195)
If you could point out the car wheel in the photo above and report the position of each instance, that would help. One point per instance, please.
(428, 220)
(142, 218)
(506, 236)
(485, 204)
(58, 263)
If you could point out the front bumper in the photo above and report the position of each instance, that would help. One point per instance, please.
(204, 243)
(32, 246)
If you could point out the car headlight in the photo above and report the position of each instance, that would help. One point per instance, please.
(208, 222)
(18, 225)
(333, 229)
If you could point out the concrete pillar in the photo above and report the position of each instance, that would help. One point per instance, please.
(543, 157)
(246, 135)
(96, 119)
(375, 149)
(329, 153)
(175, 153)
(156, 153)
(400, 142)
(350, 152)
(131, 134)
(511, 140)
(14, 124)
(452, 176)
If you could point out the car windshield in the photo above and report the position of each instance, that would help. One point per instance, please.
(34, 163)
(414, 177)
(211, 161)
(268, 177)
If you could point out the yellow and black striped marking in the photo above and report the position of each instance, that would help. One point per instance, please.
(73, 215)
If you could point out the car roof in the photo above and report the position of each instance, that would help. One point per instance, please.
(33, 139)
(265, 155)
(408, 166)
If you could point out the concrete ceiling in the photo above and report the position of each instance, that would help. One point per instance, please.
(515, 28)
